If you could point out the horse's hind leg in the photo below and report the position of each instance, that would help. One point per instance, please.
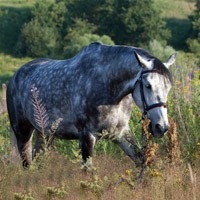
(23, 132)
(87, 143)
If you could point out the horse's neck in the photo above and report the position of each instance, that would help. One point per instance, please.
(126, 88)
(123, 82)
(117, 70)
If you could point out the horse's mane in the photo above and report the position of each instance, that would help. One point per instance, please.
(116, 50)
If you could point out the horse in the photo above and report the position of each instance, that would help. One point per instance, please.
(90, 93)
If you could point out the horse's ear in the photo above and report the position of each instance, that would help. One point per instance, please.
(146, 62)
(170, 60)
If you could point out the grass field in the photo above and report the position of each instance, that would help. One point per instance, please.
(17, 3)
(179, 9)
(176, 15)
(8, 65)
(112, 179)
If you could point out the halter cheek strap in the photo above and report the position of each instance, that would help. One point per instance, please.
(145, 106)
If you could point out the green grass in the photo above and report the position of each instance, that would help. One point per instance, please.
(8, 65)
(179, 9)
(176, 13)
(17, 3)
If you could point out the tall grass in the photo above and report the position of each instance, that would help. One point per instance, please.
(112, 179)
(115, 176)
(184, 104)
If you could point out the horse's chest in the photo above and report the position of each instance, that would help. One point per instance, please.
(108, 116)
(113, 117)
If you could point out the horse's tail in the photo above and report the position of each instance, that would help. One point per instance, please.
(11, 100)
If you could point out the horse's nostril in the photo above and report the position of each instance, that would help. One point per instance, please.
(158, 126)
(161, 128)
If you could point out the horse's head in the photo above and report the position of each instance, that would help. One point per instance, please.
(151, 91)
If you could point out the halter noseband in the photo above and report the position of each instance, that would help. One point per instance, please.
(145, 106)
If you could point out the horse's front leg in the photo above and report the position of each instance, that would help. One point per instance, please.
(87, 143)
(128, 145)
(40, 143)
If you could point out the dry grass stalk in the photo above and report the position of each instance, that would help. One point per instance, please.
(41, 117)
(3, 107)
(173, 144)
(40, 114)
(150, 147)
(193, 181)
(52, 131)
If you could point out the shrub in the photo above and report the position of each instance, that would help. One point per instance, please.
(37, 40)
(161, 51)
(80, 35)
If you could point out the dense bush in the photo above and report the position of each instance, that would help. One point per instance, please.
(40, 37)
(80, 35)
(37, 40)
(126, 22)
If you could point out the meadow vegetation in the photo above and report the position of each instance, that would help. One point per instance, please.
(174, 172)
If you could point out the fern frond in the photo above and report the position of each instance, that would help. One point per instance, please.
(40, 114)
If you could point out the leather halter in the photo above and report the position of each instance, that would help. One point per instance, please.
(147, 107)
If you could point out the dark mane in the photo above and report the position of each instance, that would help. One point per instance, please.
(158, 65)
(105, 53)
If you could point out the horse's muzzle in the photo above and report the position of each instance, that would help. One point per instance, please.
(159, 130)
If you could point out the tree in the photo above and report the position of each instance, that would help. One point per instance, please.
(194, 40)
(134, 22)
(59, 25)
(37, 40)
(41, 36)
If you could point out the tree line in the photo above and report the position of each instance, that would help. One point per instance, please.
(60, 28)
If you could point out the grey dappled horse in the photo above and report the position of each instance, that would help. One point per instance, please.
(91, 92)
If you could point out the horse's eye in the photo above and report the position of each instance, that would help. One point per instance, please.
(148, 86)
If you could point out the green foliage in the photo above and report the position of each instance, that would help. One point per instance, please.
(68, 148)
(184, 104)
(96, 185)
(40, 37)
(4, 134)
(194, 46)
(21, 196)
(60, 192)
(56, 26)
(194, 40)
(11, 21)
(132, 22)
(159, 50)
(8, 65)
(80, 35)
(37, 40)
